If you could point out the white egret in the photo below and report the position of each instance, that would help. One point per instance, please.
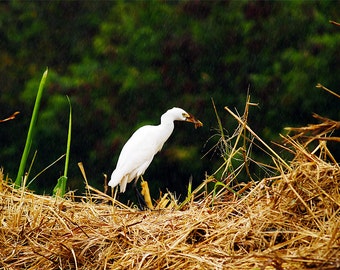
(140, 149)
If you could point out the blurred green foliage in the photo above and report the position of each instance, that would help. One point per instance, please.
(124, 63)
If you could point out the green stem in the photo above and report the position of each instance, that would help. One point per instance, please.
(68, 139)
(30, 133)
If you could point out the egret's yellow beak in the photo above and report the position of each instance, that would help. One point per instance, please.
(192, 119)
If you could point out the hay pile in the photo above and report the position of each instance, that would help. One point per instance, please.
(287, 221)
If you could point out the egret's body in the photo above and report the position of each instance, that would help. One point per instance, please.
(140, 149)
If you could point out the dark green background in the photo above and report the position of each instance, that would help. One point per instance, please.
(124, 63)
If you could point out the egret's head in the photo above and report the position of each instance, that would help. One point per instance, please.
(181, 115)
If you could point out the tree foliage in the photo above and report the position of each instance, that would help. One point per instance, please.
(125, 63)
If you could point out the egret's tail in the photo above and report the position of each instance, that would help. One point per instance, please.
(118, 178)
(115, 179)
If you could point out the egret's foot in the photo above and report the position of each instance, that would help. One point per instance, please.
(146, 194)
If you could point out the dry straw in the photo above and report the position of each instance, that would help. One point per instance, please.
(289, 220)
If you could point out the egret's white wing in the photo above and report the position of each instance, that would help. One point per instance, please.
(137, 155)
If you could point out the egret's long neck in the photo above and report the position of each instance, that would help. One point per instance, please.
(166, 127)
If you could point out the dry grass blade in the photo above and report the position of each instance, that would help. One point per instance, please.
(258, 138)
(319, 85)
(335, 23)
(316, 131)
(10, 117)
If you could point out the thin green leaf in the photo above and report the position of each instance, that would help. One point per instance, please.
(60, 189)
(68, 147)
(30, 133)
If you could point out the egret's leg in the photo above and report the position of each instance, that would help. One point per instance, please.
(140, 199)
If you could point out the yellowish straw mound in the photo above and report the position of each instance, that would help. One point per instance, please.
(288, 221)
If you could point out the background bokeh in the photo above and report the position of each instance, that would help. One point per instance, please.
(124, 63)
